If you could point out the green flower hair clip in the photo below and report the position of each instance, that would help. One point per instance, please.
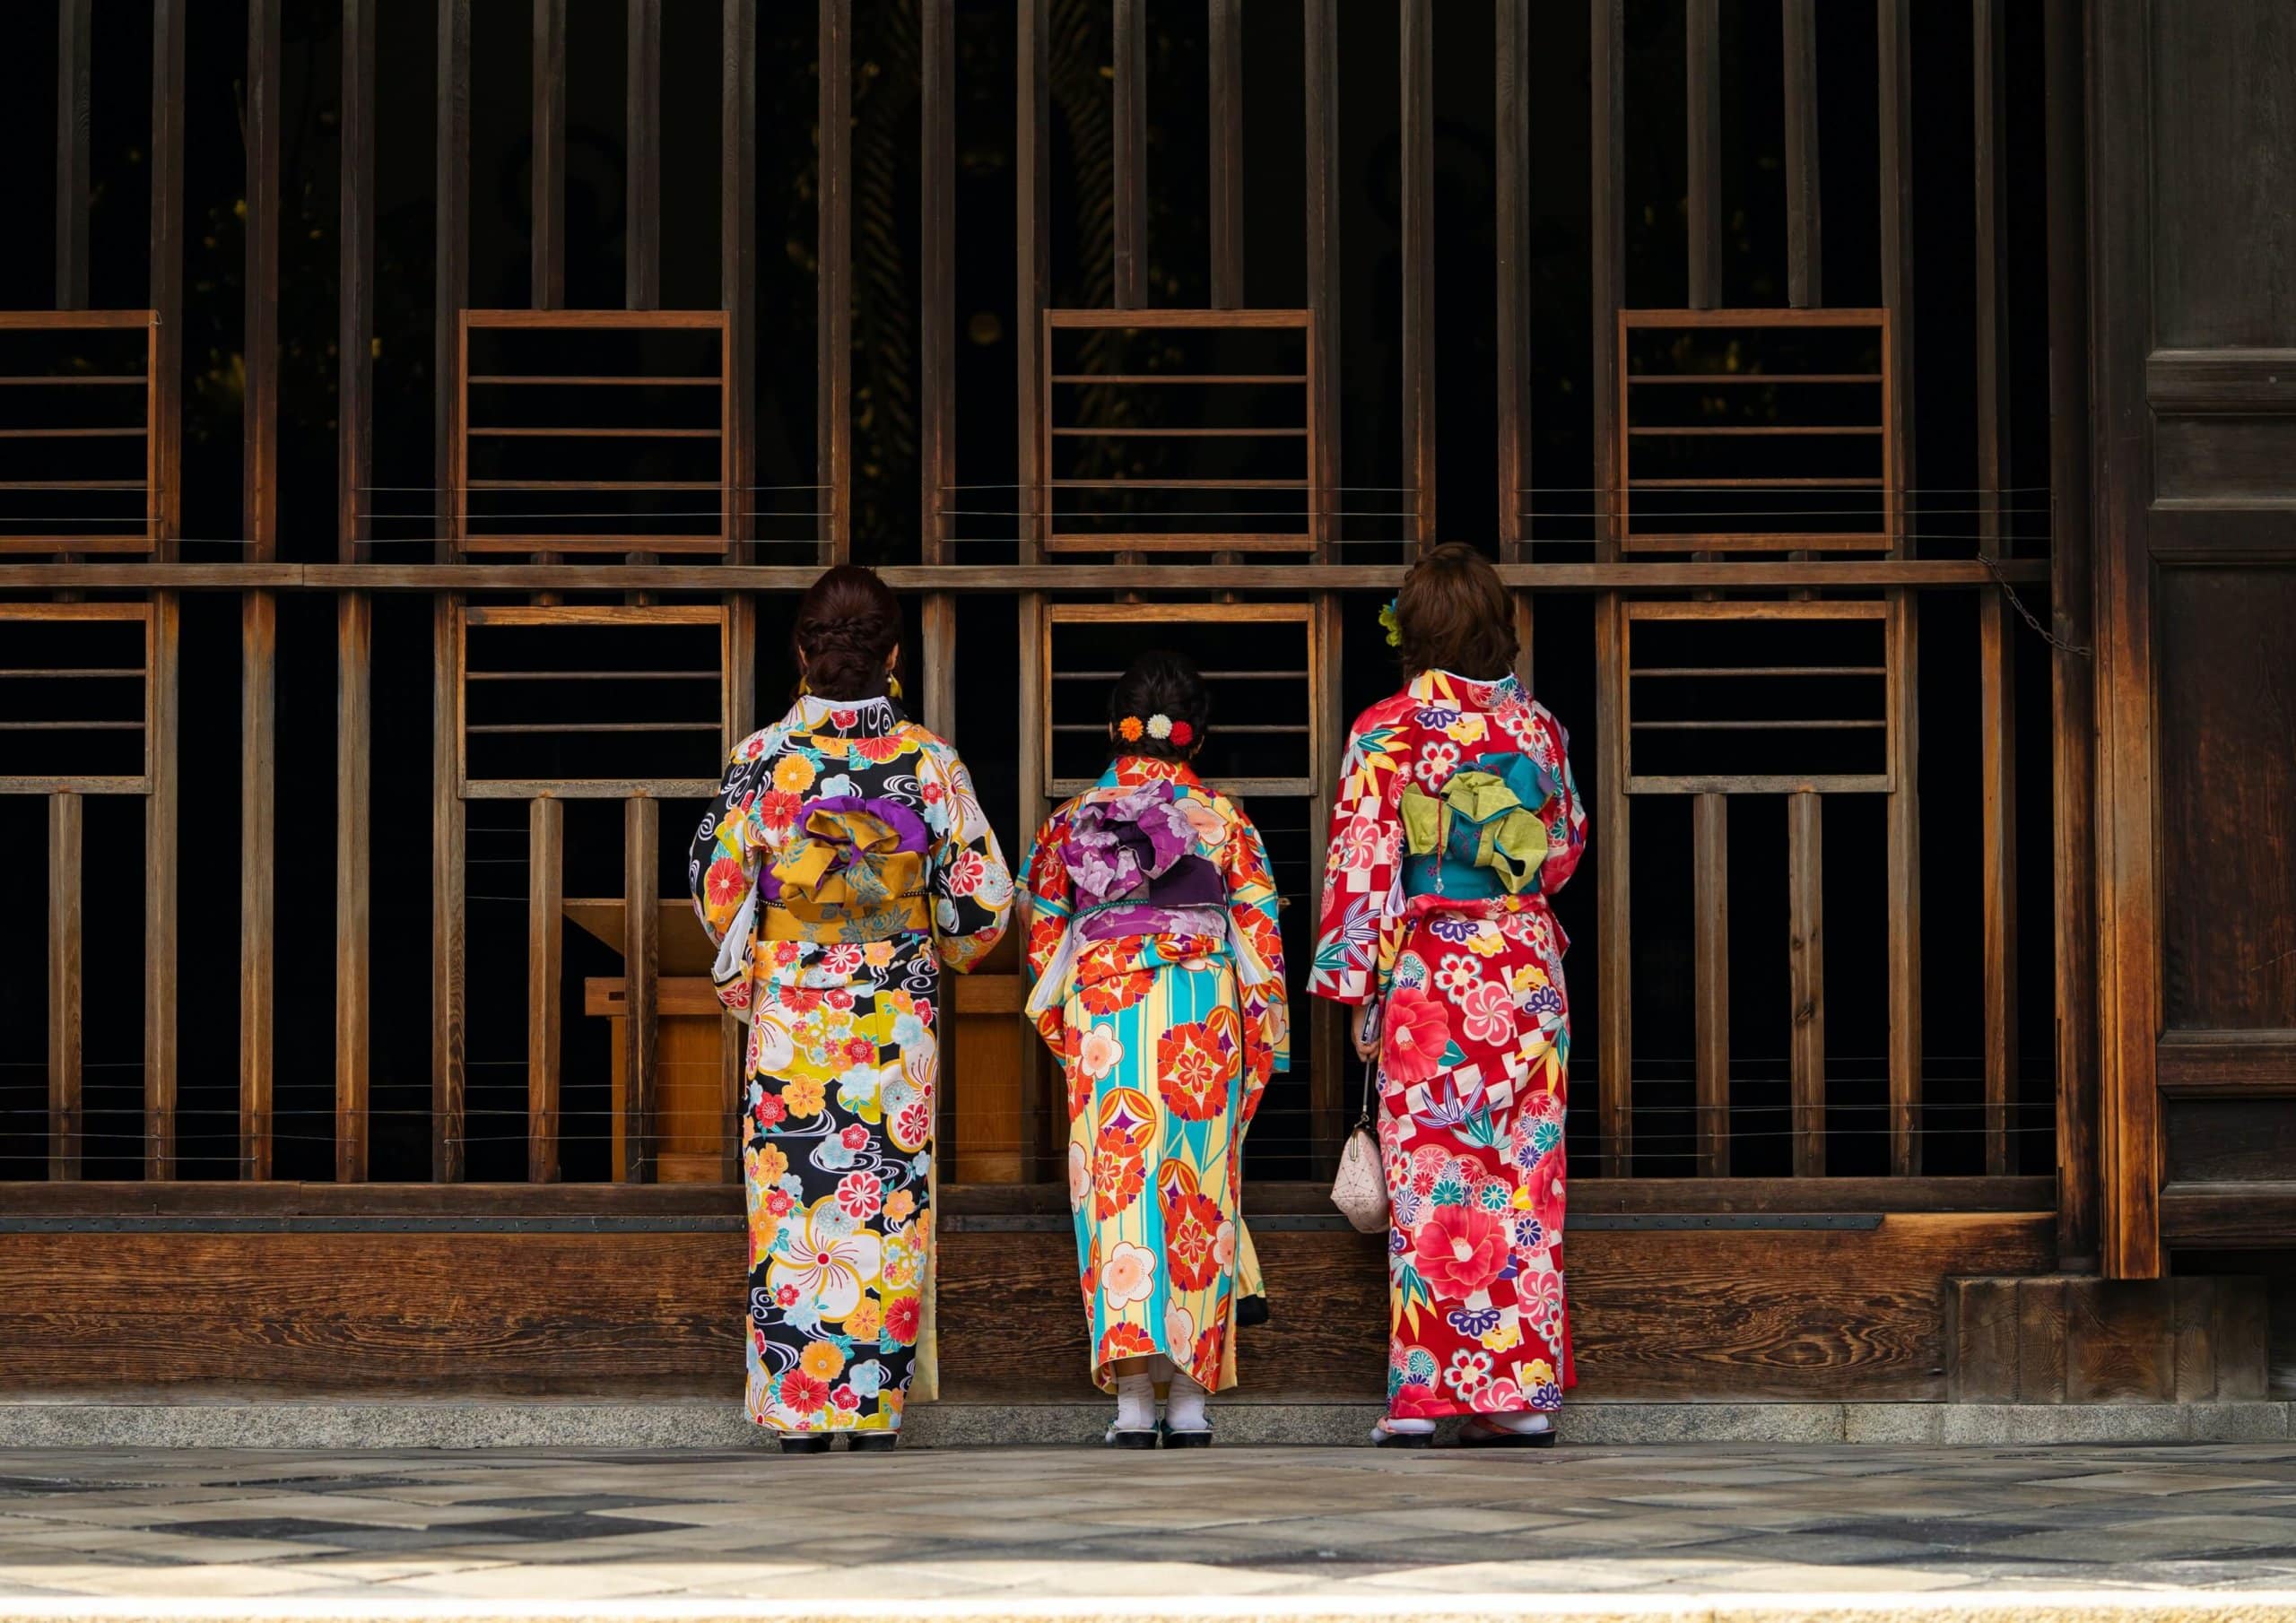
(1394, 625)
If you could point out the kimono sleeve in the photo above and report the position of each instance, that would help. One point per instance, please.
(1050, 901)
(972, 888)
(722, 867)
(1566, 831)
(1252, 903)
(1361, 866)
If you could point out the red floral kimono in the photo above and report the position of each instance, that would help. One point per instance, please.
(1475, 1028)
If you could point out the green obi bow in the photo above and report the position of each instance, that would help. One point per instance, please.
(1481, 835)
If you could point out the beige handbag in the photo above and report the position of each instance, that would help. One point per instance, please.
(1360, 1189)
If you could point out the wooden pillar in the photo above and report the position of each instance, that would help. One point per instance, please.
(2072, 673)
(738, 292)
(451, 266)
(74, 30)
(1806, 974)
(1414, 57)
(1612, 909)
(163, 879)
(450, 1074)
(833, 458)
(67, 930)
(1510, 174)
(167, 277)
(1331, 1054)
(1805, 218)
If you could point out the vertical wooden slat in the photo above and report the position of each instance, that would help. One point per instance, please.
(741, 718)
(1807, 973)
(1711, 969)
(1702, 80)
(1903, 839)
(547, 248)
(1320, 68)
(1414, 57)
(1997, 866)
(354, 829)
(355, 611)
(355, 330)
(641, 175)
(451, 269)
(1031, 205)
(545, 975)
(2072, 675)
(1894, 29)
(449, 838)
(259, 611)
(1332, 1052)
(66, 928)
(833, 458)
(641, 968)
(1613, 897)
(259, 913)
(161, 879)
(1037, 1091)
(1129, 160)
(1224, 73)
(1511, 226)
(1804, 219)
(1894, 25)
(936, 664)
(937, 126)
(74, 32)
(166, 454)
(738, 265)
(1996, 708)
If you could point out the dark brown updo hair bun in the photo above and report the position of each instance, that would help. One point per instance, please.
(1160, 683)
(848, 624)
(1453, 614)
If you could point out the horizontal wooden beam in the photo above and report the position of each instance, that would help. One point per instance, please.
(1764, 577)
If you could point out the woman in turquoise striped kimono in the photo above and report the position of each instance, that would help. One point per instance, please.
(1159, 974)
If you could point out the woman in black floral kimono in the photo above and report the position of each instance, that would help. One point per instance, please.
(845, 863)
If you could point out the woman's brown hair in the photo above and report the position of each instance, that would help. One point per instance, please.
(848, 624)
(1453, 615)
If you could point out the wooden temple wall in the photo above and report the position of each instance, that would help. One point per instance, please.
(1753, 525)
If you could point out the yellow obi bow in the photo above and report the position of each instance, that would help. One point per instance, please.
(1509, 841)
(850, 874)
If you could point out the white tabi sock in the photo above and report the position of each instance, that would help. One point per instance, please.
(1135, 1402)
(1527, 1424)
(1184, 1405)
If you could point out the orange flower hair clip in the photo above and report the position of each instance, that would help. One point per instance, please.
(1130, 729)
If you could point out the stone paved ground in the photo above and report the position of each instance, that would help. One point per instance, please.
(1045, 1523)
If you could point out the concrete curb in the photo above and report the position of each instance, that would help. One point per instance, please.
(587, 1424)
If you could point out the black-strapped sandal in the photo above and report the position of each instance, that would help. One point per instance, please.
(875, 1442)
(1479, 1432)
(1381, 1438)
(1118, 1437)
(1175, 1438)
(805, 1442)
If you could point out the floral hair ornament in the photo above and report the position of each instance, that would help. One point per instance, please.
(1130, 729)
(1388, 618)
(1183, 734)
(1160, 726)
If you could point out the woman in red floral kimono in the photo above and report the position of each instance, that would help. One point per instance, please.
(1455, 821)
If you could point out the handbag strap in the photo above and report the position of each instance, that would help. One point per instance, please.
(1364, 1121)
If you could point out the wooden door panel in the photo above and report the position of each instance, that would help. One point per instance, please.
(2193, 135)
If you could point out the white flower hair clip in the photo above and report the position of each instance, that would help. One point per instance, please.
(1160, 726)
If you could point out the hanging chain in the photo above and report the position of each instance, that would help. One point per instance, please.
(2078, 650)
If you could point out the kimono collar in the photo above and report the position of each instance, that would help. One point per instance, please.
(1126, 770)
(844, 717)
(1446, 686)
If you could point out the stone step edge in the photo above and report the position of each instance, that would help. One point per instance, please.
(1878, 1606)
(477, 1423)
